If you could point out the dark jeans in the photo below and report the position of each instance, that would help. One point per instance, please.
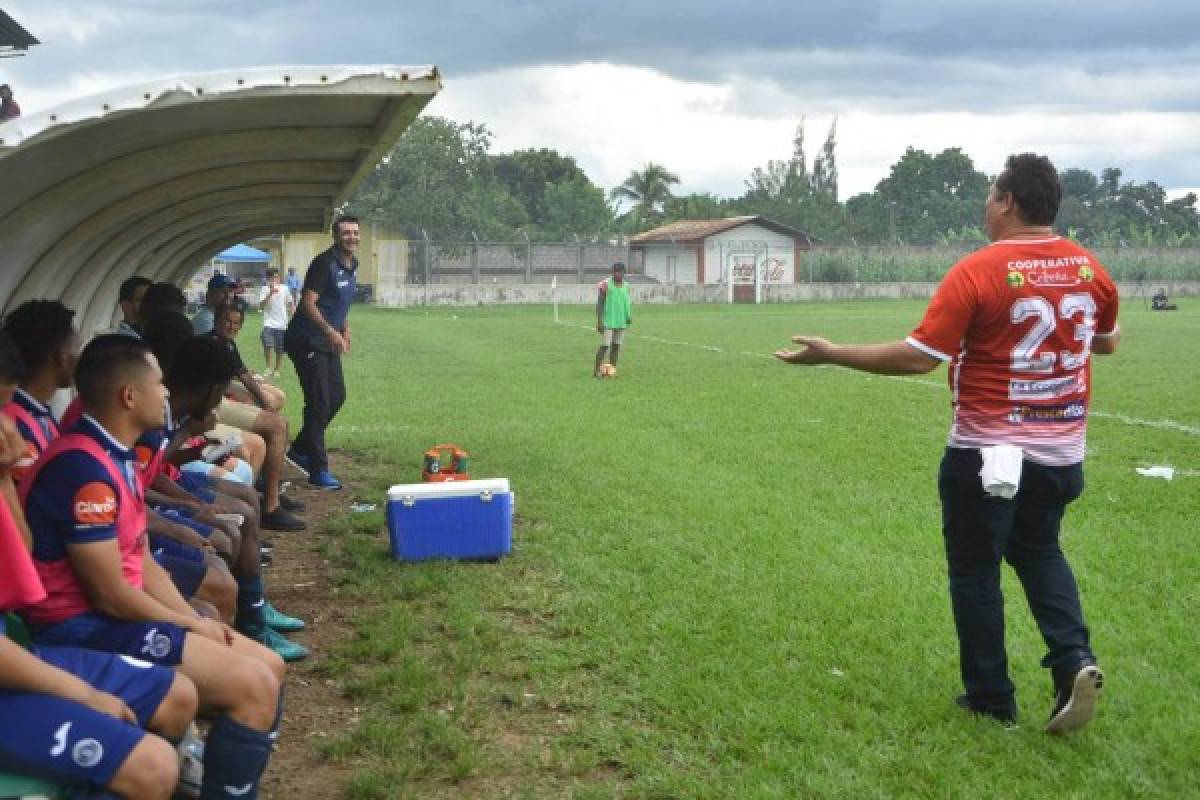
(320, 374)
(979, 530)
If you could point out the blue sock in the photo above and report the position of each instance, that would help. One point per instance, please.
(235, 758)
(250, 606)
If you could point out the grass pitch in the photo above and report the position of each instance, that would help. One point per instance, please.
(728, 578)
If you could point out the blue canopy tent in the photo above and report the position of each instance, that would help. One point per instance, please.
(242, 254)
(241, 262)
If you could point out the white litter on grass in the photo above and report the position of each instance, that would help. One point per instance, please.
(362, 508)
(837, 673)
(1166, 473)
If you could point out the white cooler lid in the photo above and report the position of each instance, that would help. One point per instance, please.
(417, 491)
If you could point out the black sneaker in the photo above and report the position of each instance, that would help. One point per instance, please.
(281, 520)
(288, 504)
(1008, 720)
(1075, 699)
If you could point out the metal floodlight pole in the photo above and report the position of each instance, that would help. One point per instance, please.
(579, 257)
(528, 257)
(475, 258)
(427, 260)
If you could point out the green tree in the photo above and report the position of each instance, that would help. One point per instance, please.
(648, 191)
(702, 205)
(824, 171)
(788, 192)
(923, 198)
(528, 173)
(1105, 211)
(574, 207)
(439, 180)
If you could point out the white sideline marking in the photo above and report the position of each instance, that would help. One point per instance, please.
(1124, 419)
(1161, 424)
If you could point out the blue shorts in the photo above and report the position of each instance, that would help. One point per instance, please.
(272, 339)
(184, 516)
(187, 575)
(170, 547)
(198, 485)
(70, 743)
(157, 642)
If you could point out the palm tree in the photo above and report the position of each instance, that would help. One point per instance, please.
(648, 190)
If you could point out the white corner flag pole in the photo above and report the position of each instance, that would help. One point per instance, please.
(554, 296)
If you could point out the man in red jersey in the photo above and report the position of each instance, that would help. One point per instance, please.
(1016, 321)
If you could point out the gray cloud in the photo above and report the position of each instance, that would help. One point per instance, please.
(784, 58)
(915, 54)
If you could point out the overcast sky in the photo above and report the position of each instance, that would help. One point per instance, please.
(708, 89)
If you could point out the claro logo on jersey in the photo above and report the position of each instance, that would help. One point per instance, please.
(142, 455)
(95, 504)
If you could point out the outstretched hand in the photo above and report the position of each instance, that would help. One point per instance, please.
(815, 351)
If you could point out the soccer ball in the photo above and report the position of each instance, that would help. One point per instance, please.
(608, 371)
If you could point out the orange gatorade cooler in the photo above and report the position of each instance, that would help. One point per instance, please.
(434, 470)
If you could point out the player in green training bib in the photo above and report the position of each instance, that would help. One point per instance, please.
(613, 316)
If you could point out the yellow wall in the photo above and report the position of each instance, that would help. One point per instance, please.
(298, 249)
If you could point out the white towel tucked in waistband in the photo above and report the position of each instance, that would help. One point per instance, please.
(1001, 471)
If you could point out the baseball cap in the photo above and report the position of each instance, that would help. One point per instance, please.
(220, 282)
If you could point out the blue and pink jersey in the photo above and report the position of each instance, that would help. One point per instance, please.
(85, 488)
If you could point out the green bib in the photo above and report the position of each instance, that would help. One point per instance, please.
(616, 305)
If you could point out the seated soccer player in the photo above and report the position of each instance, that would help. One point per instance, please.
(199, 371)
(160, 296)
(83, 502)
(228, 325)
(44, 333)
(1160, 302)
(161, 316)
(261, 420)
(130, 297)
(77, 717)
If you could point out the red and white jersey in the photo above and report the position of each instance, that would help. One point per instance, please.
(1016, 320)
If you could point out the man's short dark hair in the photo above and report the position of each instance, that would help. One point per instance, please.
(339, 220)
(225, 310)
(199, 364)
(1033, 182)
(272, 272)
(129, 286)
(167, 329)
(163, 295)
(12, 367)
(108, 362)
(38, 328)
(619, 266)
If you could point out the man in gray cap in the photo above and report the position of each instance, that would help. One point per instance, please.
(220, 289)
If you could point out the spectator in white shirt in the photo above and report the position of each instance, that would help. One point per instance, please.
(277, 306)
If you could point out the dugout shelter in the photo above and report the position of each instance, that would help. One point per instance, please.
(154, 179)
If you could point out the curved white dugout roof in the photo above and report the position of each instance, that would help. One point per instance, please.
(155, 179)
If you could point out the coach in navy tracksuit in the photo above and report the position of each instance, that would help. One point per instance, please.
(316, 338)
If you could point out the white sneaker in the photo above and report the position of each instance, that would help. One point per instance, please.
(1075, 704)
